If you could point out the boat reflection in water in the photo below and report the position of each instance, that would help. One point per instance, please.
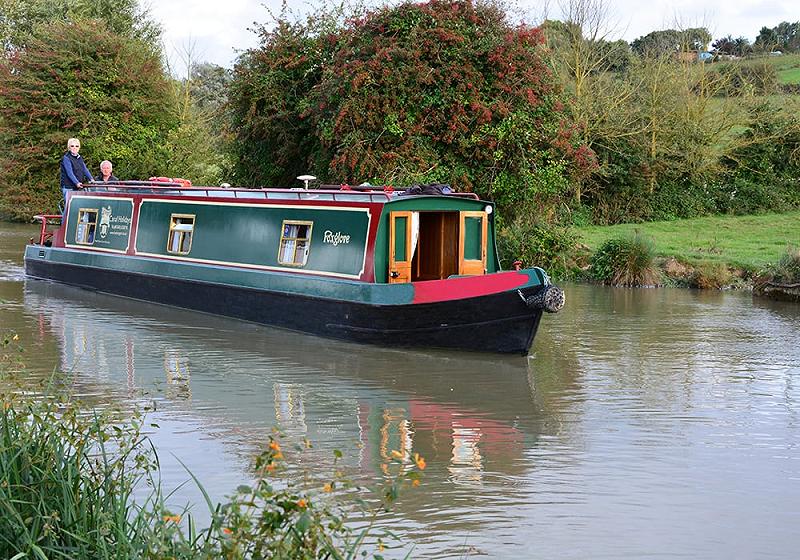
(220, 385)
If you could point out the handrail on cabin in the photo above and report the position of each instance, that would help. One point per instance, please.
(297, 193)
(44, 233)
(241, 193)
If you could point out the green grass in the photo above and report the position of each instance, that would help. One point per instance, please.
(789, 76)
(750, 242)
(787, 66)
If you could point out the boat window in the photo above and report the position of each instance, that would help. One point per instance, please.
(181, 230)
(87, 223)
(250, 194)
(223, 193)
(295, 242)
(283, 195)
(354, 196)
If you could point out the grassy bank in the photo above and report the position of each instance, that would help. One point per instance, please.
(744, 242)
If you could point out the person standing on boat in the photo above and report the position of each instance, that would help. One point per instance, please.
(106, 171)
(74, 172)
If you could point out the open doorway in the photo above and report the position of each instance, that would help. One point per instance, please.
(435, 245)
(436, 254)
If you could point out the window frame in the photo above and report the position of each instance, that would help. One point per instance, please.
(181, 233)
(87, 225)
(283, 239)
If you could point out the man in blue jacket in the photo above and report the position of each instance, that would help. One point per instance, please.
(74, 172)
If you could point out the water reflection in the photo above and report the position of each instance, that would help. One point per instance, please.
(223, 380)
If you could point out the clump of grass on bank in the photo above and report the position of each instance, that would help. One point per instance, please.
(787, 271)
(750, 243)
(781, 281)
(625, 261)
(67, 478)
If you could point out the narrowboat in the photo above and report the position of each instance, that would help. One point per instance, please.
(373, 265)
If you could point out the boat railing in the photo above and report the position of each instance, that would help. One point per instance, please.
(177, 189)
(339, 193)
(46, 235)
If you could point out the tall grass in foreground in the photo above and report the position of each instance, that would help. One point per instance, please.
(67, 481)
(626, 261)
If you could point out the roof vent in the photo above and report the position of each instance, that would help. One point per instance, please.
(306, 179)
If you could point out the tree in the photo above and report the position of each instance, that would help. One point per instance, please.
(196, 145)
(273, 138)
(209, 85)
(784, 37)
(730, 46)
(20, 19)
(657, 43)
(439, 91)
(582, 51)
(79, 80)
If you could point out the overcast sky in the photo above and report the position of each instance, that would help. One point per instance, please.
(217, 29)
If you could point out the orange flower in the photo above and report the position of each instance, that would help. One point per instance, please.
(173, 518)
(301, 503)
(271, 467)
(328, 487)
(278, 455)
(227, 531)
(415, 482)
(420, 461)
(396, 454)
(275, 446)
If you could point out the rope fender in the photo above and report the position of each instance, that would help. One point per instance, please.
(550, 299)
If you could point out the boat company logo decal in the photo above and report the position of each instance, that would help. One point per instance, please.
(105, 220)
(335, 239)
(112, 225)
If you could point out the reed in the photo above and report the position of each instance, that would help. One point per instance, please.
(626, 261)
(787, 271)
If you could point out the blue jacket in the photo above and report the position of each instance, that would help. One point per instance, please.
(74, 171)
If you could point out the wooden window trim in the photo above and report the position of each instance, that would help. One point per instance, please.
(182, 234)
(307, 249)
(82, 211)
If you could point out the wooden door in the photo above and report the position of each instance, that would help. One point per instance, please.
(472, 243)
(399, 247)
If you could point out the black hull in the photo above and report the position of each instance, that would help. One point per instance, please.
(500, 323)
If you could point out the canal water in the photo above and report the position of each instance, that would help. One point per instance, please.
(645, 423)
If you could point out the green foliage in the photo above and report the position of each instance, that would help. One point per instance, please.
(536, 244)
(763, 170)
(208, 87)
(438, 91)
(625, 261)
(784, 37)
(667, 41)
(79, 80)
(21, 20)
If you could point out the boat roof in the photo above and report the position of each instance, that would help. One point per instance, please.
(340, 193)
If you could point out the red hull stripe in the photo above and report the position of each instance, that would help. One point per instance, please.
(471, 286)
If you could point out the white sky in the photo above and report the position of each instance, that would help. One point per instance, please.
(214, 30)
